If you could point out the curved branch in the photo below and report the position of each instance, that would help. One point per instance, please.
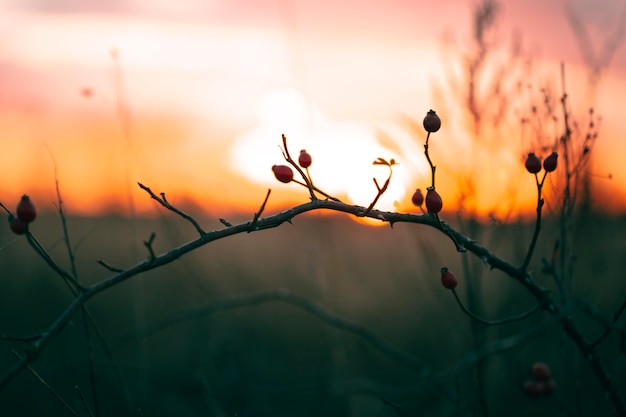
(284, 295)
(504, 320)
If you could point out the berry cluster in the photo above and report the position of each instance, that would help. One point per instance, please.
(541, 382)
(284, 173)
(24, 214)
(533, 163)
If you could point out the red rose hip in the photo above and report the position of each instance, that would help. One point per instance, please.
(418, 198)
(304, 160)
(549, 164)
(431, 122)
(448, 279)
(26, 210)
(533, 164)
(283, 173)
(433, 201)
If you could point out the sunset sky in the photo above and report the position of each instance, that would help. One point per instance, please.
(190, 97)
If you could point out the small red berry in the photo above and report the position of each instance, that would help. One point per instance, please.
(17, 226)
(304, 159)
(26, 210)
(283, 173)
(432, 122)
(433, 201)
(448, 279)
(549, 164)
(418, 198)
(541, 371)
(533, 164)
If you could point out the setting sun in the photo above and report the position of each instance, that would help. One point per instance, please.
(194, 104)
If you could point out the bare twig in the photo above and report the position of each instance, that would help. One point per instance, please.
(85, 313)
(284, 295)
(34, 243)
(504, 320)
(20, 338)
(307, 181)
(148, 244)
(225, 222)
(83, 400)
(163, 201)
(430, 162)
(109, 267)
(48, 387)
(533, 241)
(308, 184)
(381, 190)
(610, 327)
(260, 210)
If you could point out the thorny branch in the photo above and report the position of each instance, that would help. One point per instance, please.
(163, 201)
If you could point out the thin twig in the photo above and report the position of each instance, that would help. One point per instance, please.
(109, 267)
(261, 208)
(85, 313)
(295, 300)
(504, 320)
(34, 243)
(20, 338)
(609, 327)
(163, 201)
(308, 183)
(432, 166)
(317, 190)
(305, 177)
(48, 387)
(83, 400)
(380, 190)
(148, 244)
(533, 241)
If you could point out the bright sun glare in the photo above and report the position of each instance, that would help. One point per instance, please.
(342, 152)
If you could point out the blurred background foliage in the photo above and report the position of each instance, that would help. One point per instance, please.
(276, 359)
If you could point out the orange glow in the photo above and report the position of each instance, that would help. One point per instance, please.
(207, 102)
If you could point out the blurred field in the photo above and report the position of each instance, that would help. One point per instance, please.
(275, 359)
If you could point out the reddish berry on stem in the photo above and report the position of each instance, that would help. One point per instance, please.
(304, 160)
(533, 164)
(433, 201)
(549, 164)
(17, 226)
(541, 371)
(283, 173)
(448, 279)
(432, 122)
(26, 210)
(418, 198)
